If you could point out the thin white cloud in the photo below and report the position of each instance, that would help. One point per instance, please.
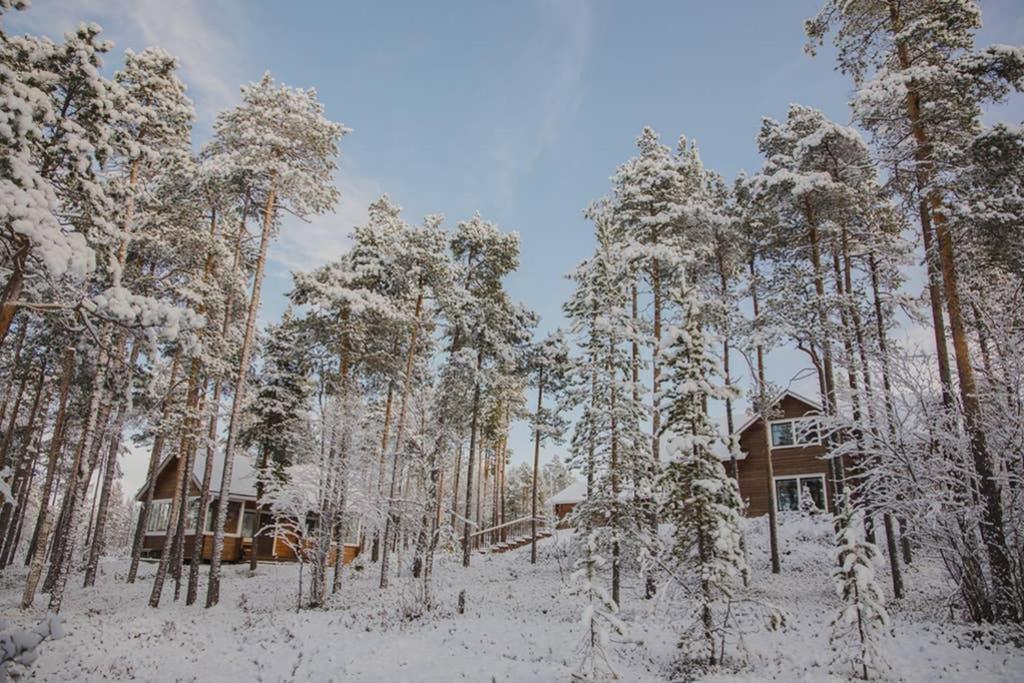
(303, 245)
(207, 38)
(555, 61)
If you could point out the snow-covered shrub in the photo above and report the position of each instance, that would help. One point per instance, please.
(599, 618)
(862, 619)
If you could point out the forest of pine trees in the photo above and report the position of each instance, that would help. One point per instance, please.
(381, 403)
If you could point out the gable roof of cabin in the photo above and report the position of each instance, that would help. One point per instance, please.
(723, 452)
(810, 403)
(243, 478)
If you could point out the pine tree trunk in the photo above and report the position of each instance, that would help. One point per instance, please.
(455, 485)
(613, 471)
(650, 587)
(15, 283)
(763, 398)
(895, 572)
(22, 471)
(828, 374)
(98, 536)
(198, 538)
(19, 466)
(174, 533)
(474, 424)
(82, 473)
(205, 496)
(12, 424)
(235, 421)
(410, 358)
(38, 552)
(154, 461)
(992, 527)
(536, 468)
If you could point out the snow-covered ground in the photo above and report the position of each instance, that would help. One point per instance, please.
(518, 626)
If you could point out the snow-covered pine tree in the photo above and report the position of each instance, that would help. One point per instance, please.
(921, 84)
(289, 148)
(599, 620)
(701, 500)
(862, 619)
(277, 412)
(549, 365)
(608, 444)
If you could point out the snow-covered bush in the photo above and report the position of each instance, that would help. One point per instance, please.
(600, 616)
(862, 619)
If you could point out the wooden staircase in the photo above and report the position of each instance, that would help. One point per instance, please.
(513, 543)
(509, 536)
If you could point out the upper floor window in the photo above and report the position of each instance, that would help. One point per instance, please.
(801, 431)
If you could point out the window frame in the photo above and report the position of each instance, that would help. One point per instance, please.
(794, 421)
(799, 489)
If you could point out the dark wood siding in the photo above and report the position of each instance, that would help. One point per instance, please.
(753, 470)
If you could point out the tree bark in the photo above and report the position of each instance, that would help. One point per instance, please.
(474, 423)
(763, 399)
(410, 358)
(536, 467)
(98, 536)
(234, 424)
(38, 553)
(154, 462)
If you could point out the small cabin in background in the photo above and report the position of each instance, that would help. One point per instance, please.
(566, 500)
(797, 451)
(242, 522)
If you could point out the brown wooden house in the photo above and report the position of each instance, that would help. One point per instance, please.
(242, 522)
(800, 474)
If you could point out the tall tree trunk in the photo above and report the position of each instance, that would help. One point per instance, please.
(182, 477)
(24, 466)
(38, 553)
(828, 373)
(650, 586)
(154, 461)
(536, 467)
(81, 473)
(235, 421)
(205, 495)
(992, 527)
(98, 536)
(763, 399)
(15, 283)
(474, 424)
(12, 424)
(410, 358)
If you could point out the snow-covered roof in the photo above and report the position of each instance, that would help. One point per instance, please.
(243, 476)
(573, 493)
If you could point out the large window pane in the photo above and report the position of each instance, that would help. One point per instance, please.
(787, 494)
(158, 513)
(812, 489)
(782, 434)
(248, 524)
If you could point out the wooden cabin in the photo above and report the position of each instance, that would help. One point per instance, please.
(797, 451)
(566, 500)
(243, 518)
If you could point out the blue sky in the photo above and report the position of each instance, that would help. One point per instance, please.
(519, 110)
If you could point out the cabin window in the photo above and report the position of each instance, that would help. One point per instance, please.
(248, 524)
(798, 432)
(211, 512)
(800, 493)
(193, 515)
(159, 513)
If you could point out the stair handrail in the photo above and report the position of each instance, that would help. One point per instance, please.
(540, 519)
